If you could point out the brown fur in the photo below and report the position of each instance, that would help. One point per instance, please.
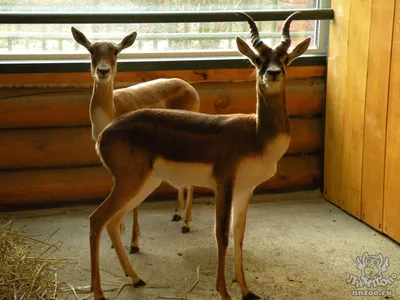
(223, 194)
(241, 151)
(107, 103)
(177, 136)
(176, 94)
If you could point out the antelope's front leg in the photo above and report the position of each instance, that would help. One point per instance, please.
(134, 247)
(223, 213)
(240, 206)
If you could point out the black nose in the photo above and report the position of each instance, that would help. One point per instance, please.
(103, 70)
(274, 72)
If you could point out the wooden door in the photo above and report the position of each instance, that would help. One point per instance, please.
(362, 138)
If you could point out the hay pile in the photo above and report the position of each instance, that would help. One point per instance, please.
(26, 269)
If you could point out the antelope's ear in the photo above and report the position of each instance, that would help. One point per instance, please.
(245, 50)
(126, 42)
(80, 38)
(298, 50)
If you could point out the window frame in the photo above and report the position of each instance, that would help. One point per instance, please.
(24, 63)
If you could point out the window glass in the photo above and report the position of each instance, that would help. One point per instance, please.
(168, 39)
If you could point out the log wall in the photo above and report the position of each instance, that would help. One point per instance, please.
(47, 155)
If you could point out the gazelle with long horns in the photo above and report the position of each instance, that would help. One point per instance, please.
(107, 104)
(232, 154)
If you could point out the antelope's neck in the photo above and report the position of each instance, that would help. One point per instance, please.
(272, 116)
(102, 110)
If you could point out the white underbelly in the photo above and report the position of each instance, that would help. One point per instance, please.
(184, 174)
(252, 171)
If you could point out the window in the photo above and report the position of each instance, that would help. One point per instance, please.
(54, 41)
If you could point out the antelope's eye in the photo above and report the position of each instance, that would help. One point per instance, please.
(116, 52)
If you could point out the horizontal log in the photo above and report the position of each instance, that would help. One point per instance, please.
(44, 107)
(73, 146)
(62, 186)
(220, 75)
(47, 147)
(28, 108)
(304, 97)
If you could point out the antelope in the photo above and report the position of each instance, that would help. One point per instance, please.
(107, 104)
(231, 154)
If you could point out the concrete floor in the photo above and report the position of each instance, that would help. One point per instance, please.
(297, 246)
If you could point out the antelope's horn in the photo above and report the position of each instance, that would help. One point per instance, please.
(285, 39)
(255, 36)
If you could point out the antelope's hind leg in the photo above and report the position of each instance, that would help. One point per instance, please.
(181, 203)
(121, 229)
(110, 213)
(113, 205)
(188, 210)
(145, 189)
(113, 232)
(134, 246)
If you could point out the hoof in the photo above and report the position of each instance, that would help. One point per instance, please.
(185, 229)
(139, 283)
(251, 296)
(99, 298)
(176, 218)
(133, 249)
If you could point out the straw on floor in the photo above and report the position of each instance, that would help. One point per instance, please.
(27, 270)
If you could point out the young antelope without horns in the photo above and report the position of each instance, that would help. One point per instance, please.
(107, 104)
(232, 154)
